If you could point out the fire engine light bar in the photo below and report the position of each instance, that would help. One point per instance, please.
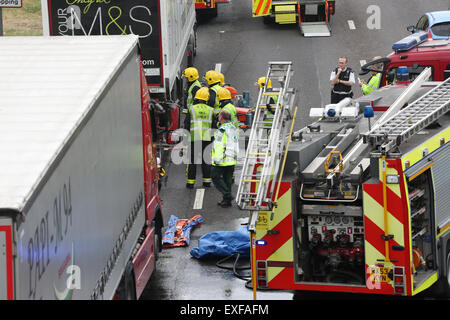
(410, 41)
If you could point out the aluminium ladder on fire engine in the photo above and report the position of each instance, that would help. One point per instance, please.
(267, 141)
(411, 119)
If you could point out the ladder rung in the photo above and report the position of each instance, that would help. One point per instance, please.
(258, 153)
(253, 180)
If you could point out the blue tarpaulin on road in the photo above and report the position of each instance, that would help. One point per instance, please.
(223, 244)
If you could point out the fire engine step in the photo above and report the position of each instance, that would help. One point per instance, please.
(315, 29)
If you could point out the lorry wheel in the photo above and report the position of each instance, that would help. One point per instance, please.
(157, 239)
(127, 288)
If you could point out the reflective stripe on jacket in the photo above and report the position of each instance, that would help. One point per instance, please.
(372, 85)
(225, 147)
(201, 116)
(216, 104)
(233, 113)
(190, 94)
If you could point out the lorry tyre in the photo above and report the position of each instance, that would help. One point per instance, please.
(127, 289)
(157, 239)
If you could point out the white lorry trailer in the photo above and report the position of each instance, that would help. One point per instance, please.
(80, 216)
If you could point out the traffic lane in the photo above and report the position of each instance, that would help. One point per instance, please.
(244, 48)
(178, 275)
(243, 45)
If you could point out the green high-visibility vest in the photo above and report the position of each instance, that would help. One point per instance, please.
(190, 95)
(268, 122)
(225, 147)
(233, 113)
(201, 116)
(372, 85)
(216, 89)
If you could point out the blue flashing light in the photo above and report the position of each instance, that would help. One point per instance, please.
(331, 112)
(402, 70)
(402, 73)
(261, 242)
(368, 112)
(410, 41)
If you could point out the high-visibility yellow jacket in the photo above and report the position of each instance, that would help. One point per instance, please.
(233, 113)
(191, 94)
(372, 85)
(201, 119)
(226, 146)
(214, 94)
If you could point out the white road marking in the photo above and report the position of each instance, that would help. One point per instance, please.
(198, 202)
(351, 24)
(218, 67)
(362, 62)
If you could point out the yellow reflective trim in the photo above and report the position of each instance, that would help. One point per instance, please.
(421, 171)
(294, 3)
(284, 253)
(426, 284)
(375, 212)
(261, 4)
(372, 255)
(272, 272)
(390, 171)
(283, 208)
(444, 229)
(432, 144)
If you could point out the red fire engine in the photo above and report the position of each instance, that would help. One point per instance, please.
(358, 200)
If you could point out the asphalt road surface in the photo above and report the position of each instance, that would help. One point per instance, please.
(242, 46)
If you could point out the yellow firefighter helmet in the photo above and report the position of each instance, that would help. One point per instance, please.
(262, 80)
(202, 94)
(224, 94)
(191, 74)
(212, 77)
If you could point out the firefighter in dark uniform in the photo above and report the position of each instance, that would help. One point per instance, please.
(193, 84)
(342, 79)
(199, 121)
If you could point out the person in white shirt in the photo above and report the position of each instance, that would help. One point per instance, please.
(342, 79)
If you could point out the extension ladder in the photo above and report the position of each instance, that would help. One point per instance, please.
(266, 142)
(411, 119)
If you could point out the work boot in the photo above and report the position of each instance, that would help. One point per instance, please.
(189, 186)
(207, 184)
(225, 204)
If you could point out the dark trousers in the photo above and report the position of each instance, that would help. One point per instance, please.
(336, 97)
(196, 150)
(222, 177)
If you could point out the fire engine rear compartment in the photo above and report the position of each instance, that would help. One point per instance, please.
(329, 220)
